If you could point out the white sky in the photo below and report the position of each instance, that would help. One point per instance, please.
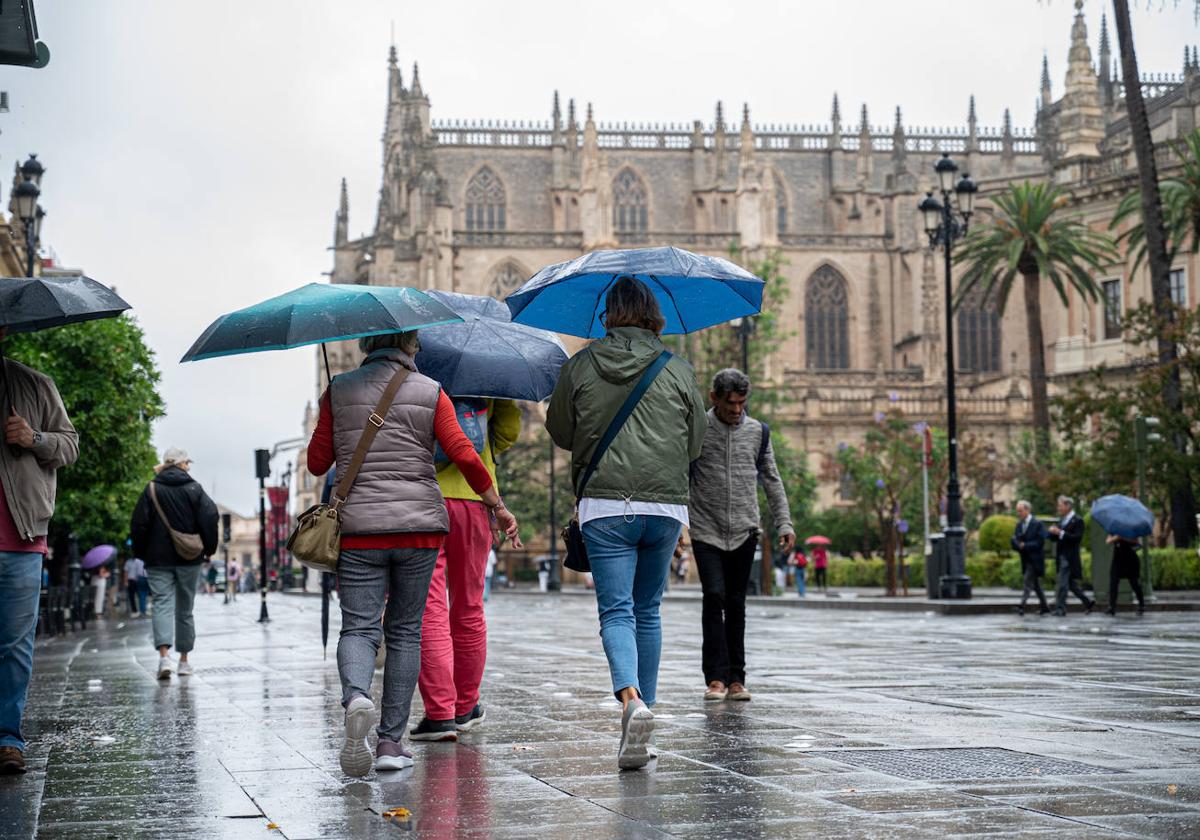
(193, 149)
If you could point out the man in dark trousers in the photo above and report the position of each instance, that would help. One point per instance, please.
(1067, 535)
(1030, 542)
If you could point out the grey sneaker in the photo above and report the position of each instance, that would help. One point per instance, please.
(652, 747)
(391, 755)
(355, 757)
(637, 726)
(434, 730)
(467, 722)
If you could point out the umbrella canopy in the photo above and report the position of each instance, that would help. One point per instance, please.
(487, 355)
(317, 313)
(1123, 516)
(98, 556)
(693, 291)
(28, 304)
(818, 540)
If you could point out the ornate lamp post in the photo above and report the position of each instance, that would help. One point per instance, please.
(25, 201)
(945, 223)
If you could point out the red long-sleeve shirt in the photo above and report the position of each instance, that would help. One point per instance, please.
(454, 443)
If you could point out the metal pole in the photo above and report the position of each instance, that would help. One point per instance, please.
(554, 584)
(29, 246)
(1141, 440)
(925, 492)
(262, 546)
(954, 584)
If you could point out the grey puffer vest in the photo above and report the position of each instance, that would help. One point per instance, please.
(396, 491)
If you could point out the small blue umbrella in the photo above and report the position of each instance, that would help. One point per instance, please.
(317, 313)
(486, 355)
(1123, 516)
(693, 291)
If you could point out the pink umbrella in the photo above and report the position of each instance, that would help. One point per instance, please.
(818, 540)
(98, 556)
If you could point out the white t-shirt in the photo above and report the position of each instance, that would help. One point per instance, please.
(491, 562)
(590, 509)
(134, 568)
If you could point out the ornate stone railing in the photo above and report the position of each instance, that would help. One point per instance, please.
(518, 239)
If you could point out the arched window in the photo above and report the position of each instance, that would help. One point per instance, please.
(781, 207)
(630, 211)
(485, 201)
(827, 321)
(505, 278)
(978, 334)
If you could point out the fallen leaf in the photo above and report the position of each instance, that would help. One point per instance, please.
(1172, 789)
(851, 790)
(272, 826)
(397, 814)
(522, 748)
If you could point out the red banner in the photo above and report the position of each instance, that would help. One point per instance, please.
(279, 525)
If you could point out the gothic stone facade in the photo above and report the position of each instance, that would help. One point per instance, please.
(478, 208)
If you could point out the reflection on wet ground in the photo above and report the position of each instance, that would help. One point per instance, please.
(862, 725)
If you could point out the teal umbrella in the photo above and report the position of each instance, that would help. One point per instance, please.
(317, 313)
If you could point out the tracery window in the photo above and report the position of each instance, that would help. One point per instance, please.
(827, 321)
(485, 201)
(505, 278)
(978, 334)
(630, 210)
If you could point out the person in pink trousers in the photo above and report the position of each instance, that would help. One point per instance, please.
(454, 633)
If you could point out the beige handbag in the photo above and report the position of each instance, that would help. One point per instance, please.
(317, 540)
(187, 546)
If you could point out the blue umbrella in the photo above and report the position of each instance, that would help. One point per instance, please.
(1123, 516)
(486, 355)
(317, 313)
(694, 291)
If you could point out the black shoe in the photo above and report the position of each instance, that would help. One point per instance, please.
(1091, 605)
(1111, 611)
(467, 722)
(434, 730)
(1021, 610)
(1141, 610)
(1044, 611)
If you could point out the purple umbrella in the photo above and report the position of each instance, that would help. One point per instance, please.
(98, 556)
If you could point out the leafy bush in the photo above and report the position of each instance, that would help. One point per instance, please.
(996, 533)
(1175, 568)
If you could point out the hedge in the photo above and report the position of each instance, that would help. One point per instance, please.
(996, 533)
(1173, 568)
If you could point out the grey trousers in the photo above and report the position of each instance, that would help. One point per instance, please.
(172, 592)
(365, 579)
(1066, 581)
(1032, 583)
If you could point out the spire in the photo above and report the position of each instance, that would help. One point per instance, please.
(836, 118)
(1007, 123)
(416, 82)
(898, 130)
(556, 119)
(1103, 33)
(972, 127)
(1081, 118)
(899, 144)
(1187, 61)
(972, 119)
(1106, 84)
(1046, 94)
(342, 220)
(747, 134)
(864, 125)
(720, 119)
(835, 139)
(1006, 137)
(572, 126)
(395, 83)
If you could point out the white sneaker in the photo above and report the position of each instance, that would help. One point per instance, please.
(185, 669)
(165, 667)
(356, 757)
(637, 726)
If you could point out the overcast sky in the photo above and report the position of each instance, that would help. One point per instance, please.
(194, 149)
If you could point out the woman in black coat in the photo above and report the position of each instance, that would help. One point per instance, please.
(1125, 565)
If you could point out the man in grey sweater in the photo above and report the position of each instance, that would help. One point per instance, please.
(724, 526)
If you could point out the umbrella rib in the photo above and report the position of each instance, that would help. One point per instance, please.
(674, 302)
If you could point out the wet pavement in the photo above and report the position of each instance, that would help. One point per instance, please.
(863, 724)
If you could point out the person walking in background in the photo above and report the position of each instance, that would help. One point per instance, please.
(100, 589)
(683, 561)
(454, 632)
(210, 576)
(1067, 535)
(173, 505)
(820, 564)
(135, 570)
(489, 573)
(38, 441)
(800, 569)
(233, 578)
(725, 526)
(1126, 565)
(394, 523)
(1029, 540)
(633, 504)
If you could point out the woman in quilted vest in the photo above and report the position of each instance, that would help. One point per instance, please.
(393, 524)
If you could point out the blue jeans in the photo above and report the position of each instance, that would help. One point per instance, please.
(20, 590)
(630, 560)
(800, 570)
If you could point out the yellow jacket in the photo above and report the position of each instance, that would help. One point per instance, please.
(504, 427)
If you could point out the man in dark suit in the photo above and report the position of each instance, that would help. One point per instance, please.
(1030, 542)
(1067, 535)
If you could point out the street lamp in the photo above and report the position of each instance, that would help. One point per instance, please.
(744, 328)
(32, 170)
(946, 221)
(25, 199)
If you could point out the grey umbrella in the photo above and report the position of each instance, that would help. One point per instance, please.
(28, 304)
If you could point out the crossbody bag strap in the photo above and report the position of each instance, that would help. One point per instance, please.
(374, 424)
(157, 506)
(626, 409)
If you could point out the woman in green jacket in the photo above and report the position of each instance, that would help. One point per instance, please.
(635, 504)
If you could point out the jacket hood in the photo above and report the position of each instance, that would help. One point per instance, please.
(173, 477)
(624, 353)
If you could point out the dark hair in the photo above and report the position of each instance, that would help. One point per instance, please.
(630, 303)
(730, 381)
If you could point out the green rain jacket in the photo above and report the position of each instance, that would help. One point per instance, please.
(648, 461)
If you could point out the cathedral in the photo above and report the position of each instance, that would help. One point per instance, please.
(479, 207)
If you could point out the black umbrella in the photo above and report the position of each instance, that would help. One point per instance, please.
(28, 304)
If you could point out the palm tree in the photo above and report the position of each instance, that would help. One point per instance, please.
(1181, 208)
(1183, 502)
(1029, 237)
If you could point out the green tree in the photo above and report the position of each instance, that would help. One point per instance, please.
(523, 475)
(1181, 209)
(109, 383)
(1028, 236)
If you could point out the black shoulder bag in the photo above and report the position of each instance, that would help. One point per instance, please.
(577, 559)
